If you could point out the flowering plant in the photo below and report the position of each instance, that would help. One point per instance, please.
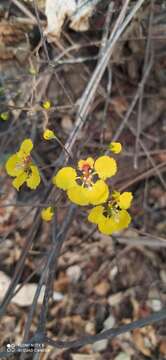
(87, 186)
(112, 216)
(21, 166)
(84, 185)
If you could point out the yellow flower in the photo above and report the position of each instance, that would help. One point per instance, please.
(113, 216)
(123, 200)
(46, 105)
(4, 116)
(109, 220)
(88, 185)
(47, 214)
(115, 147)
(49, 134)
(20, 166)
(32, 70)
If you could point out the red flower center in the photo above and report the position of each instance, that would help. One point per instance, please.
(86, 168)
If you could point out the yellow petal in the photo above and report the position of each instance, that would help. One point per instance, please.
(107, 225)
(48, 134)
(124, 200)
(115, 147)
(65, 178)
(33, 180)
(115, 195)
(89, 161)
(32, 71)
(122, 220)
(95, 214)
(105, 167)
(46, 105)
(78, 195)
(119, 221)
(4, 116)
(19, 180)
(99, 193)
(47, 214)
(13, 166)
(25, 148)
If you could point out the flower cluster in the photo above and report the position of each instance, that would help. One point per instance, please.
(21, 166)
(87, 185)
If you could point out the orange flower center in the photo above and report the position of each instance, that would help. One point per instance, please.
(87, 175)
(24, 163)
(86, 167)
(27, 161)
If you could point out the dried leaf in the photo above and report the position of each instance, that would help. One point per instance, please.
(74, 273)
(109, 322)
(80, 19)
(66, 123)
(115, 299)
(62, 283)
(139, 341)
(122, 356)
(119, 104)
(78, 12)
(11, 34)
(163, 347)
(56, 12)
(85, 357)
(4, 284)
(100, 345)
(26, 294)
(102, 288)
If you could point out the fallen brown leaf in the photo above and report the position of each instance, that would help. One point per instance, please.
(139, 342)
(102, 288)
